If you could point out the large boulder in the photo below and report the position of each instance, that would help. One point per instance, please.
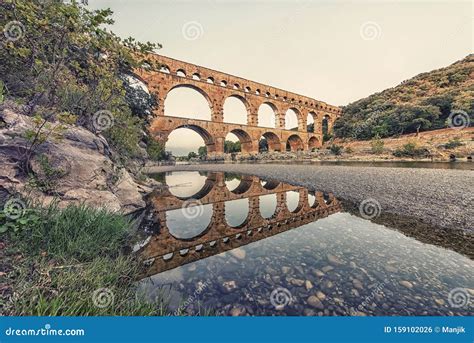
(80, 162)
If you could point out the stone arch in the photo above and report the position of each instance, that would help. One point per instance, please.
(237, 212)
(244, 185)
(273, 141)
(312, 201)
(292, 118)
(165, 69)
(263, 111)
(209, 140)
(243, 117)
(268, 205)
(293, 201)
(181, 228)
(201, 193)
(269, 184)
(194, 88)
(311, 120)
(203, 185)
(294, 143)
(246, 144)
(313, 142)
(181, 73)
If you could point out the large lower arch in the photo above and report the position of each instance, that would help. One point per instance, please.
(181, 103)
(209, 141)
(200, 185)
(246, 143)
(273, 142)
(313, 143)
(294, 143)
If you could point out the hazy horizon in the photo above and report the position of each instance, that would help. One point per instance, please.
(337, 52)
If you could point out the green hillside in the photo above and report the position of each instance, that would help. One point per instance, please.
(422, 103)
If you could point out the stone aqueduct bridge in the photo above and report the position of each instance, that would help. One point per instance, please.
(164, 251)
(216, 87)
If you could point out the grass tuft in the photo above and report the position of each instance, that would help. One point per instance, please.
(55, 265)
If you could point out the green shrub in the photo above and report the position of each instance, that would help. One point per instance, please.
(156, 150)
(376, 146)
(349, 150)
(335, 149)
(327, 137)
(453, 143)
(411, 150)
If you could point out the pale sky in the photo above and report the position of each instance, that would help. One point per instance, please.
(334, 51)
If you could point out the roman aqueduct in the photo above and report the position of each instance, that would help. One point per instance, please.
(216, 87)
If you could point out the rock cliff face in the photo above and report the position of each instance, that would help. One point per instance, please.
(80, 158)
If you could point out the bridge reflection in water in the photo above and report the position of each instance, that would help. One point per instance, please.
(228, 211)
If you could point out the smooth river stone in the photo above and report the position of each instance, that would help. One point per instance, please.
(315, 302)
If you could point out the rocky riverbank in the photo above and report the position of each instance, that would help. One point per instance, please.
(433, 205)
(75, 168)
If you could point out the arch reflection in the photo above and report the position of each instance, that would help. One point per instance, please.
(292, 201)
(236, 212)
(188, 185)
(225, 219)
(189, 222)
(268, 205)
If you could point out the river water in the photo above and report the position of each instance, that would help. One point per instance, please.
(226, 244)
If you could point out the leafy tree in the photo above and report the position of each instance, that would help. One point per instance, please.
(191, 155)
(335, 149)
(377, 145)
(202, 151)
(66, 61)
(231, 147)
(156, 150)
(263, 145)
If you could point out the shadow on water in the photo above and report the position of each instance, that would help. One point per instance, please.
(240, 245)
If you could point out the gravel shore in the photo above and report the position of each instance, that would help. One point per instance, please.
(437, 197)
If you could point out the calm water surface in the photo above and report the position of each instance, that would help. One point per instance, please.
(227, 244)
